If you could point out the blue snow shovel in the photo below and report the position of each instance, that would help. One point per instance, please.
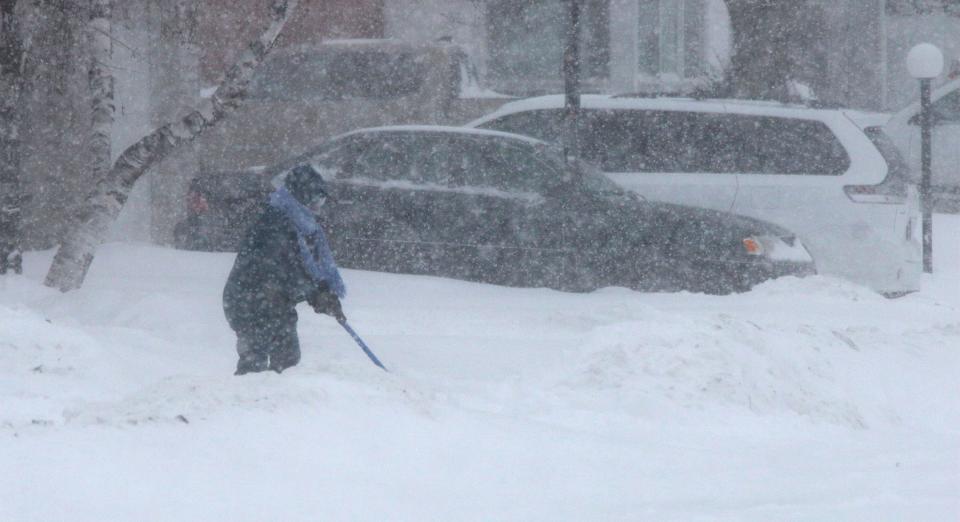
(362, 344)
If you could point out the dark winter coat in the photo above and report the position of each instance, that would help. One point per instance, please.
(268, 277)
(283, 259)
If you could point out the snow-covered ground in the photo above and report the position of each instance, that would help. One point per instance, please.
(802, 400)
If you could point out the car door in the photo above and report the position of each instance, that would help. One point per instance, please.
(795, 169)
(464, 209)
(519, 237)
(368, 194)
(437, 209)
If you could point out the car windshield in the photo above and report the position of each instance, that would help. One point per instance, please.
(899, 169)
(593, 179)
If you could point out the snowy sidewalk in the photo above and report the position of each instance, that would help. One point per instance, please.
(802, 400)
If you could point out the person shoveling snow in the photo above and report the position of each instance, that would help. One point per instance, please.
(284, 259)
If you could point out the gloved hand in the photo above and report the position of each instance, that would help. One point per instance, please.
(324, 301)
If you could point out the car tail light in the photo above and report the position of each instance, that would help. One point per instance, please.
(777, 248)
(884, 193)
(753, 246)
(196, 203)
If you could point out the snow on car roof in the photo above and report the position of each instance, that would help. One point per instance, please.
(444, 129)
(605, 101)
(865, 119)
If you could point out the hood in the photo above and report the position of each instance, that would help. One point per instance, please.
(715, 233)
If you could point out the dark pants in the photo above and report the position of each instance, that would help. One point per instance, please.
(271, 348)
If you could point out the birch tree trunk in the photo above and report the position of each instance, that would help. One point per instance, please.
(101, 88)
(11, 190)
(74, 256)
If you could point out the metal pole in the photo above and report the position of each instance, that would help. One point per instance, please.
(925, 157)
(884, 55)
(571, 85)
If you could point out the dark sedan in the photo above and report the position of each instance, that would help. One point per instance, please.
(505, 209)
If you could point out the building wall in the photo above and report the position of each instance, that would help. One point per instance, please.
(854, 49)
(185, 64)
(903, 32)
(227, 26)
(635, 54)
(462, 21)
(866, 49)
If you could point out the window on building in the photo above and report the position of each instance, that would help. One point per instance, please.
(661, 37)
(527, 40)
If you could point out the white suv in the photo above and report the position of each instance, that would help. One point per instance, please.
(841, 187)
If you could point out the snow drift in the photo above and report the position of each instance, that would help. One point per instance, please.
(803, 399)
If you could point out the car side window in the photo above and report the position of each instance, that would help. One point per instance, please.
(435, 160)
(659, 141)
(546, 124)
(382, 159)
(332, 162)
(795, 146)
(723, 144)
(703, 142)
(509, 167)
(616, 142)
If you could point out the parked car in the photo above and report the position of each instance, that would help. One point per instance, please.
(303, 95)
(904, 130)
(814, 171)
(220, 206)
(505, 209)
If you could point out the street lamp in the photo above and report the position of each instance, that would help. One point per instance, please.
(925, 62)
(571, 85)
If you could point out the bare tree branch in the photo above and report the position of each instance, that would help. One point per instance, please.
(73, 259)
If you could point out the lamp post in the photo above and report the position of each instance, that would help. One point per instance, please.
(925, 62)
(571, 84)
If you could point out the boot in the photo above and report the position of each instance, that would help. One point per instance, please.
(282, 360)
(251, 363)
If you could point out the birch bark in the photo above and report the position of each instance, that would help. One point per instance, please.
(101, 88)
(11, 189)
(75, 255)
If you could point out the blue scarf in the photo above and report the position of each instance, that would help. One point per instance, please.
(318, 262)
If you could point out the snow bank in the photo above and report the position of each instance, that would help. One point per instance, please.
(803, 399)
